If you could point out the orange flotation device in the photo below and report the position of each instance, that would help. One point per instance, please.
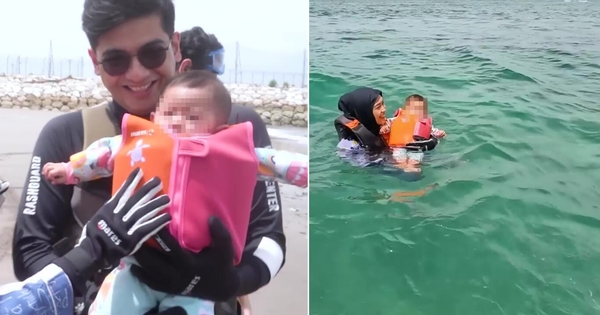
(197, 173)
(408, 131)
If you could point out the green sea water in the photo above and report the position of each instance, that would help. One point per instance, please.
(513, 226)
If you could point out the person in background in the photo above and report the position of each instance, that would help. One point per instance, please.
(201, 51)
(117, 230)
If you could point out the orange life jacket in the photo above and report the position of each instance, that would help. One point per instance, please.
(199, 183)
(405, 130)
(143, 136)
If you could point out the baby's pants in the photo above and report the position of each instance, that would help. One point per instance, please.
(122, 293)
(403, 154)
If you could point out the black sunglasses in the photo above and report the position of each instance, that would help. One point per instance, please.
(150, 57)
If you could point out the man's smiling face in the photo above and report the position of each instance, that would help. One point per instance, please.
(138, 88)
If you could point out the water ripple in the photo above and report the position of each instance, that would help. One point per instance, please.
(513, 223)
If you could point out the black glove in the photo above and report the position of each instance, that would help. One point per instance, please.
(209, 274)
(117, 230)
(177, 310)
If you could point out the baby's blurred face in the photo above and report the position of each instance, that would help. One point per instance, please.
(186, 112)
(416, 107)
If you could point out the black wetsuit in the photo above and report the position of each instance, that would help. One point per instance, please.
(45, 212)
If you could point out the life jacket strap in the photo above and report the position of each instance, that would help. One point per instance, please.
(353, 129)
(97, 124)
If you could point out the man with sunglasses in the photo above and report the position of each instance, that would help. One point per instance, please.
(135, 50)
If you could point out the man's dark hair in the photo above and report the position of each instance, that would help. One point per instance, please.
(205, 79)
(196, 44)
(101, 16)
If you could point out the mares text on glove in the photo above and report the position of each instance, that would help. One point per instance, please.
(128, 219)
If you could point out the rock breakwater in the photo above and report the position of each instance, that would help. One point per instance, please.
(276, 106)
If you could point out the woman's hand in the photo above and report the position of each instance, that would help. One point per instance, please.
(439, 133)
(384, 130)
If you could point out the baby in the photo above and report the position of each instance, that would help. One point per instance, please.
(193, 104)
(414, 105)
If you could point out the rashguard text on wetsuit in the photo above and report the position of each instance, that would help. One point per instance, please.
(272, 196)
(33, 186)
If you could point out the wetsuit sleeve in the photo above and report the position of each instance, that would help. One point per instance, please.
(97, 161)
(46, 292)
(264, 253)
(284, 167)
(44, 210)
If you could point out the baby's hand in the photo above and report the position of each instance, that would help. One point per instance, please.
(56, 173)
(384, 130)
(245, 305)
(297, 174)
(439, 133)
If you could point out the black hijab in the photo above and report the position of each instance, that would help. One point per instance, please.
(358, 105)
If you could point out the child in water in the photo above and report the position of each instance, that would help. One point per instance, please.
(416, 105)
(184, 110)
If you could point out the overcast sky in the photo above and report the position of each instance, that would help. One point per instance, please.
(272, 34)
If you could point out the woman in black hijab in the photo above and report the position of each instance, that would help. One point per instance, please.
(365, 105)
